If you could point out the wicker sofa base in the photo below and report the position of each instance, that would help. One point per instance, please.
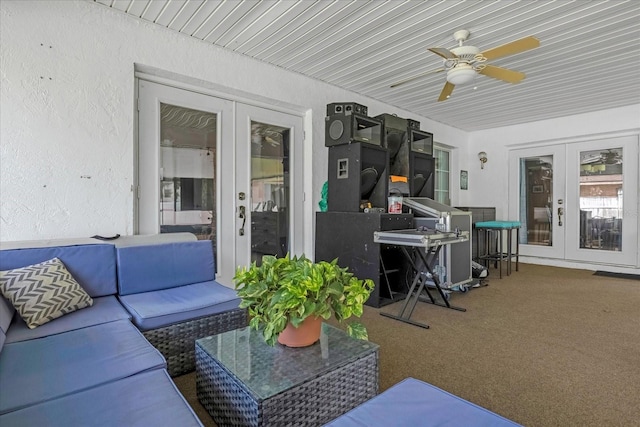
(177, 342)
(313, 403)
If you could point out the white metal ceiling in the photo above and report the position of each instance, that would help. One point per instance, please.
(588, 60)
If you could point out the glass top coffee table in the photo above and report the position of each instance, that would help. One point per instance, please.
(242, 381)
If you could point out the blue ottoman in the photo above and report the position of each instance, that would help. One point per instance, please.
(414, 403)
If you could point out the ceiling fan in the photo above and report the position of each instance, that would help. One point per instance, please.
(464, 62)
(611, 157)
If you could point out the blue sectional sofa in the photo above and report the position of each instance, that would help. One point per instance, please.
(108, 364)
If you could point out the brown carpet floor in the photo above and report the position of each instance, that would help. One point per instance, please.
(545, 346)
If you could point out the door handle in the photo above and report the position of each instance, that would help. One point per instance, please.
(242, 215)
(560, 213)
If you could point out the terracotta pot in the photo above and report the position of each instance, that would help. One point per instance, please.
(307, 333)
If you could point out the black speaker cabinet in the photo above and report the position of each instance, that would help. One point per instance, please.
(357, 176)
(346, 108)
(345, 129)
(422, 170)
(348, 236)
(421, 141)
(395, 141)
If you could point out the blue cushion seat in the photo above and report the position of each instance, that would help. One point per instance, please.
(152, 310)
(42, 369)
(145, 399)
(104, 309)
(412, 403)
(6, 313)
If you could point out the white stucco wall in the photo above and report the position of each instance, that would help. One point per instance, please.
(67, 113)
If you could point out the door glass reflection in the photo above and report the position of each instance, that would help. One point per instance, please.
(536, 200)
(187, 171)
(269, 190)
(601, 199)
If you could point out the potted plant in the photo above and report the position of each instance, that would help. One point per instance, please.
(294, 290)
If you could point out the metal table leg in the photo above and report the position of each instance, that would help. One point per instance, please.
(420, 282)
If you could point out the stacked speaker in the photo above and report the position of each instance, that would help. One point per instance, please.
(358, 161)
(410, 156)
(364, 152)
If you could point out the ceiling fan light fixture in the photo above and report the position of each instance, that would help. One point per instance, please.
(461, 74)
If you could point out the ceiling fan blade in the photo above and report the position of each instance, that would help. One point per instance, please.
(446, 91)
(512, 48)
(445, 53)
(500, 73)
(410, 79)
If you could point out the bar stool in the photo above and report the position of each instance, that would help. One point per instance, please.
(498, 227)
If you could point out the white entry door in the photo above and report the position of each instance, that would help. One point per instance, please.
(220, 169)
(578, 201)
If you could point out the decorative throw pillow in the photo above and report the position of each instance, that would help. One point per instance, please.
(43, 292)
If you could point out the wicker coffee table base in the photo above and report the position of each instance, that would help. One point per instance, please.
(313, 403)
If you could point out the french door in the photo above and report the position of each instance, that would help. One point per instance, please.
(221, 169)
(577, 201)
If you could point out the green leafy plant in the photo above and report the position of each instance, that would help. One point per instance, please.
(283, 290)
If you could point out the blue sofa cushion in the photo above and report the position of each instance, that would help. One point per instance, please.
(155, 267)
(39, 370)
(152, 310)
(104, 309)
(412, 402)
(146, 399)
(43, 292)
(93, 266)
(6, 313)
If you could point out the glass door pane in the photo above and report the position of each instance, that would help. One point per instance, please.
(601, 199)
(270, 188)
(536, 200)
(442, 193)
(187, 171)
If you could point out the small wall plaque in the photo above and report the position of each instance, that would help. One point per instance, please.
(464, 180)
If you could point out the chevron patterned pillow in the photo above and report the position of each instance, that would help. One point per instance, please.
(43, 292)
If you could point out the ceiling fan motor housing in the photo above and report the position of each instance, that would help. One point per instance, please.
(467, 53)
